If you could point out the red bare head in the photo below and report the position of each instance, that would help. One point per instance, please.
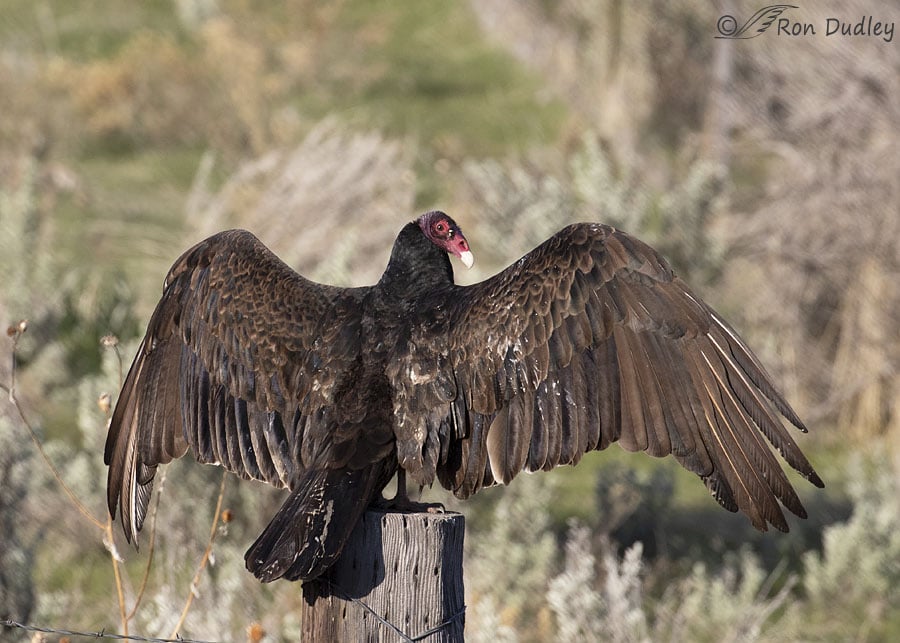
(445, 234)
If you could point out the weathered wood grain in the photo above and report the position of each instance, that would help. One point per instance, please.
(406, 568)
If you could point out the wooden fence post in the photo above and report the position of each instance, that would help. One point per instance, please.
(399, 578)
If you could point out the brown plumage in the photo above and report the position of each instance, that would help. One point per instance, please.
(587, 340)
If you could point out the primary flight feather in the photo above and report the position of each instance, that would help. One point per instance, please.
(329, 392)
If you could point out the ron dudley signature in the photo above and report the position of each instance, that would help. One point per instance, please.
(866, 26)
(778, 20)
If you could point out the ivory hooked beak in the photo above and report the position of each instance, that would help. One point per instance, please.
(467, 258)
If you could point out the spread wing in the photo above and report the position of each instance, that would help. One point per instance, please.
(591, 339)
(241, 362)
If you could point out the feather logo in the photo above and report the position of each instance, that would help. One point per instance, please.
(727, 26)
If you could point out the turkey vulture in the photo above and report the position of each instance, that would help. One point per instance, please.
(329, 392)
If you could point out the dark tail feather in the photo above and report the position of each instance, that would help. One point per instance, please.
(310, 529)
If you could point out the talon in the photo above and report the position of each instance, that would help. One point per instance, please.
(401, 502)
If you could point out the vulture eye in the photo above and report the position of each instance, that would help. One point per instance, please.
(441, 227)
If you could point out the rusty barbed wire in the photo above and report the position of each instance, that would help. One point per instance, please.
(100, 634)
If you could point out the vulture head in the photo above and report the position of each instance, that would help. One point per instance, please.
(443, 231)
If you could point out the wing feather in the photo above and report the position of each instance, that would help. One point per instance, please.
(476, 462)
(573, 443)
(549, 395)
(633, 436)
(540, 437)
(587, 406)
(651, 374)
(743, 480)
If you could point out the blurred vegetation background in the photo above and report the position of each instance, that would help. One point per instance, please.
(767, 170)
